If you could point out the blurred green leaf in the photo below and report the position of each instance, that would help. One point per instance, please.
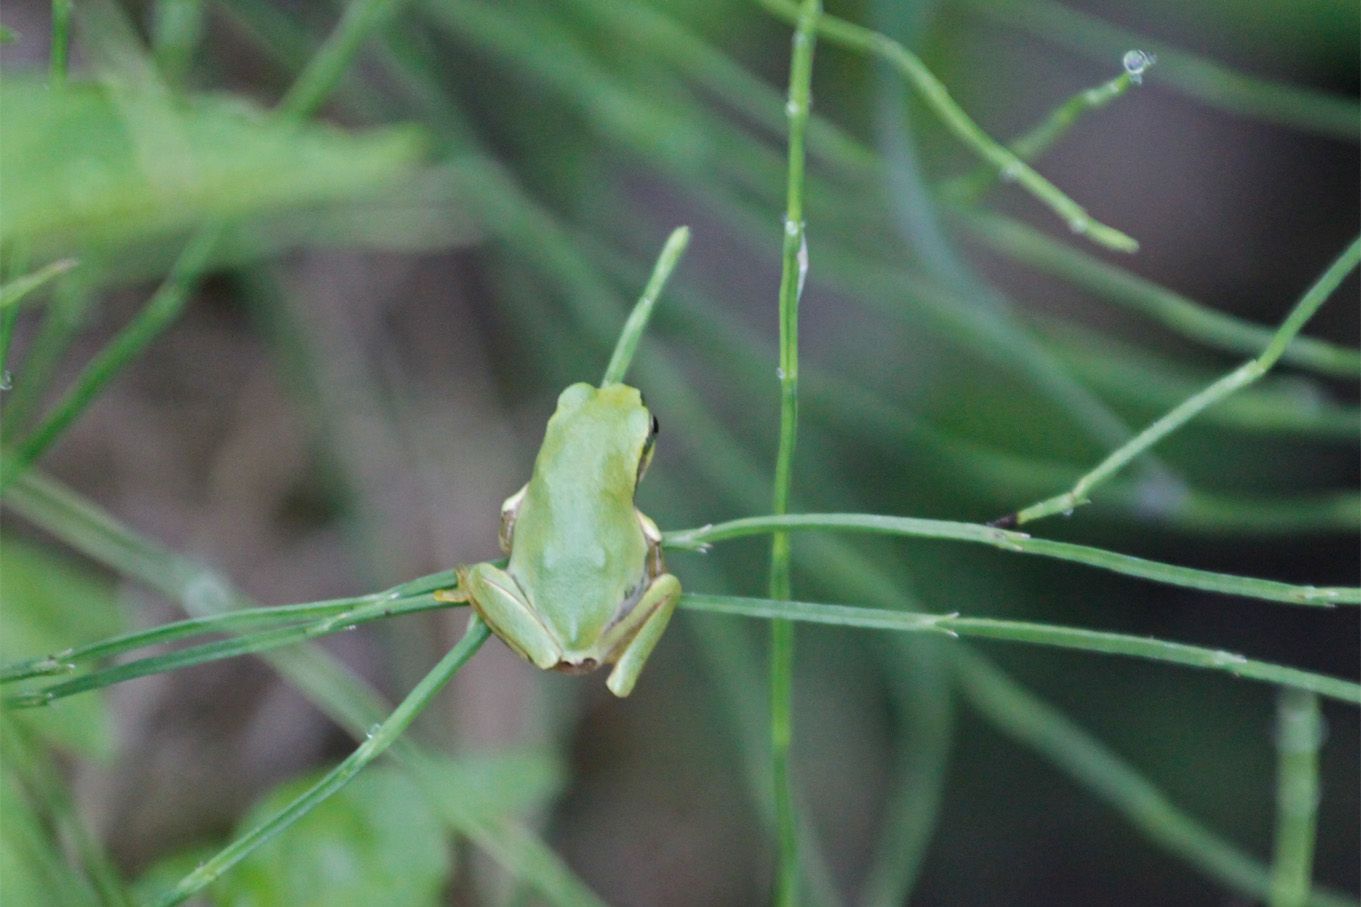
(32, 870)
(375, 842)
(88, 165)
(47, 604)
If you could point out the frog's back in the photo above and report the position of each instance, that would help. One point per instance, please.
(578, 549)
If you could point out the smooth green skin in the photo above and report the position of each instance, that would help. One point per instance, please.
(586, 584)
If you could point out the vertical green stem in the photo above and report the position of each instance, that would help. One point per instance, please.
(61, 40)
(1299, 732)
(794, 270)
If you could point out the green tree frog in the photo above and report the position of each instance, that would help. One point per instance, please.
(586, 585)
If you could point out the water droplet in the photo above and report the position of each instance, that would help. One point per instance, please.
(1136, 62)
(373, 731)
(1011, 172)
(779, 373)
(791, 108)
(790, 227)
(1067, 513)
(1079, 224)
(1223, 659)
(6, 380)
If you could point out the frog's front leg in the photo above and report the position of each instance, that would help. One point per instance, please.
(501, 603)
(656, 607)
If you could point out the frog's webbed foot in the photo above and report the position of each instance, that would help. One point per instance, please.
(496, 596)
(657, 605)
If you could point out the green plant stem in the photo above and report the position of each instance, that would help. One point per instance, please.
(1093, 641)
(177, 27)
(1195, 76)
(793, 272)
(1240, 377)
(1040, 137)
(245, 643)
(15, 290)
(1299, 735)
(1020, 542)
(1174, 311)
(163, 308)
(1030, 721)
(342, 696)
(317, 80)
(377, 741)
(642, 311)
(25, 756)
(61, 41)
(937, 96)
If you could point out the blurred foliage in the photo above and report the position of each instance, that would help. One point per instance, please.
(325, 420)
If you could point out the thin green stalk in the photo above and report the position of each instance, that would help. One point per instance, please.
(61, 41)
(793, 272)
(1240, 377)
(711, 331)
(1030, 721)
(177, 27)
(15, 290)
(26, 755)
(317, 80)
(1299, 735)
(341, 695)
(378, 740)
(163, 308)
(322, 619)
(60, 322)
(1008, 540)
(1199, 77)
(937, 96)
(1094, 641)
(642, 311)
(1286, 405)
(925, 732)
(1178, 313)
(1040, 137)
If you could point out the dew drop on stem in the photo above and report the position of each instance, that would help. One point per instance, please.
(1136, 62)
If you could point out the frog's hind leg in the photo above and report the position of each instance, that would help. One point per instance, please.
(498, 599)
(658, 603)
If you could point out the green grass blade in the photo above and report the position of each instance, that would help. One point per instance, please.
(1195, 76)
(1174, 311)
(1008, 540)
(342, 696)
(1094, 641)
(1240, 377)
(13, 291)
(1030, 721)
(642, 312)
(1299, 736)
(1040, 137)
(937, 96)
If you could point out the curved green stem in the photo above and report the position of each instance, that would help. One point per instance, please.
(937, 96)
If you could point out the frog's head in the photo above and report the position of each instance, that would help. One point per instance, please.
(611, 421)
